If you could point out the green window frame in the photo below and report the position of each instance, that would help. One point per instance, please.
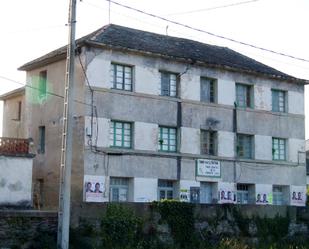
(208, 90)
(244, 95)
(121, 134)
(279, 149)
(169, 83)
(244, 146)
(122, 77)
(209, 142)
(278, 100)
(167, 139)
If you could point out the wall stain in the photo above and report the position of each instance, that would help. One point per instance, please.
(15, 186)
(3, 182)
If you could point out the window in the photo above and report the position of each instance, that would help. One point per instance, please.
(244, 95)
(278, 101)
(209, 142)
(242, 193)
(307, 166)
(41, 144)
(279, 149)
(207, 189)
(120, 134)
(167, 139)
(168, 84)
(119, 188)
(121, 77)
(18, 118)
(277, 195)
(244, 146)
(42, 84)
(165, 189)
(208, 90)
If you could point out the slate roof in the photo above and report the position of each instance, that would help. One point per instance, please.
(120, 37)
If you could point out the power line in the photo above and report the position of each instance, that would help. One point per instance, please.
(212, 8)
(207, 32)
(38, 89)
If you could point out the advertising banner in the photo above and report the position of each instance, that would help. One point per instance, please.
(263, 194)
(226, 193)
(298, 195)
(94, 187)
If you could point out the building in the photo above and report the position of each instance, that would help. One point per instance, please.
(307, 161)
(14, 114)
(164, 117)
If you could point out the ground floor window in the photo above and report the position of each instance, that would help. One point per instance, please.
(165, 189)
(277, 195)
(119, 188)
(242, 193)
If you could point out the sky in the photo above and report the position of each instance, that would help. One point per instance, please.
(32, 28)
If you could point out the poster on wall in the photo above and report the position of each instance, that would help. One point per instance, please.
(184, 195)
(94, 187)
(263, 194)
(208, 168)
(264, 198)
(298, 195)
(226, 193)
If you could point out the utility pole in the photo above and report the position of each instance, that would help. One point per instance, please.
(67, 137)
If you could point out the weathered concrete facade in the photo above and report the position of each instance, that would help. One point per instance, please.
(137, 172)
(14, 113)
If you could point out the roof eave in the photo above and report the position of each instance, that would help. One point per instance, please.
(233, 69)
(17, 92)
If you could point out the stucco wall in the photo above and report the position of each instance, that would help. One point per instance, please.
(12, 125)
(16, 181)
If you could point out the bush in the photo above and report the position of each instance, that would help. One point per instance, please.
(120, 228)
(180, 218)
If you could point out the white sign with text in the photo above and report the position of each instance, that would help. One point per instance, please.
(209, 168)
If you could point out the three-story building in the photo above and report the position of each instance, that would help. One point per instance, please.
(160, 117)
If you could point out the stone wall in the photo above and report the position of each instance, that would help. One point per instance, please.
(38, 229)
(27, 229)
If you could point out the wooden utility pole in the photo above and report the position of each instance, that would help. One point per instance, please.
(67, 137)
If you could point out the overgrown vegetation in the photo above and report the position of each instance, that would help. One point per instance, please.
(120, 228)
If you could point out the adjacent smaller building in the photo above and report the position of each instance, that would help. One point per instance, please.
(16, 172)
(14, 113)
